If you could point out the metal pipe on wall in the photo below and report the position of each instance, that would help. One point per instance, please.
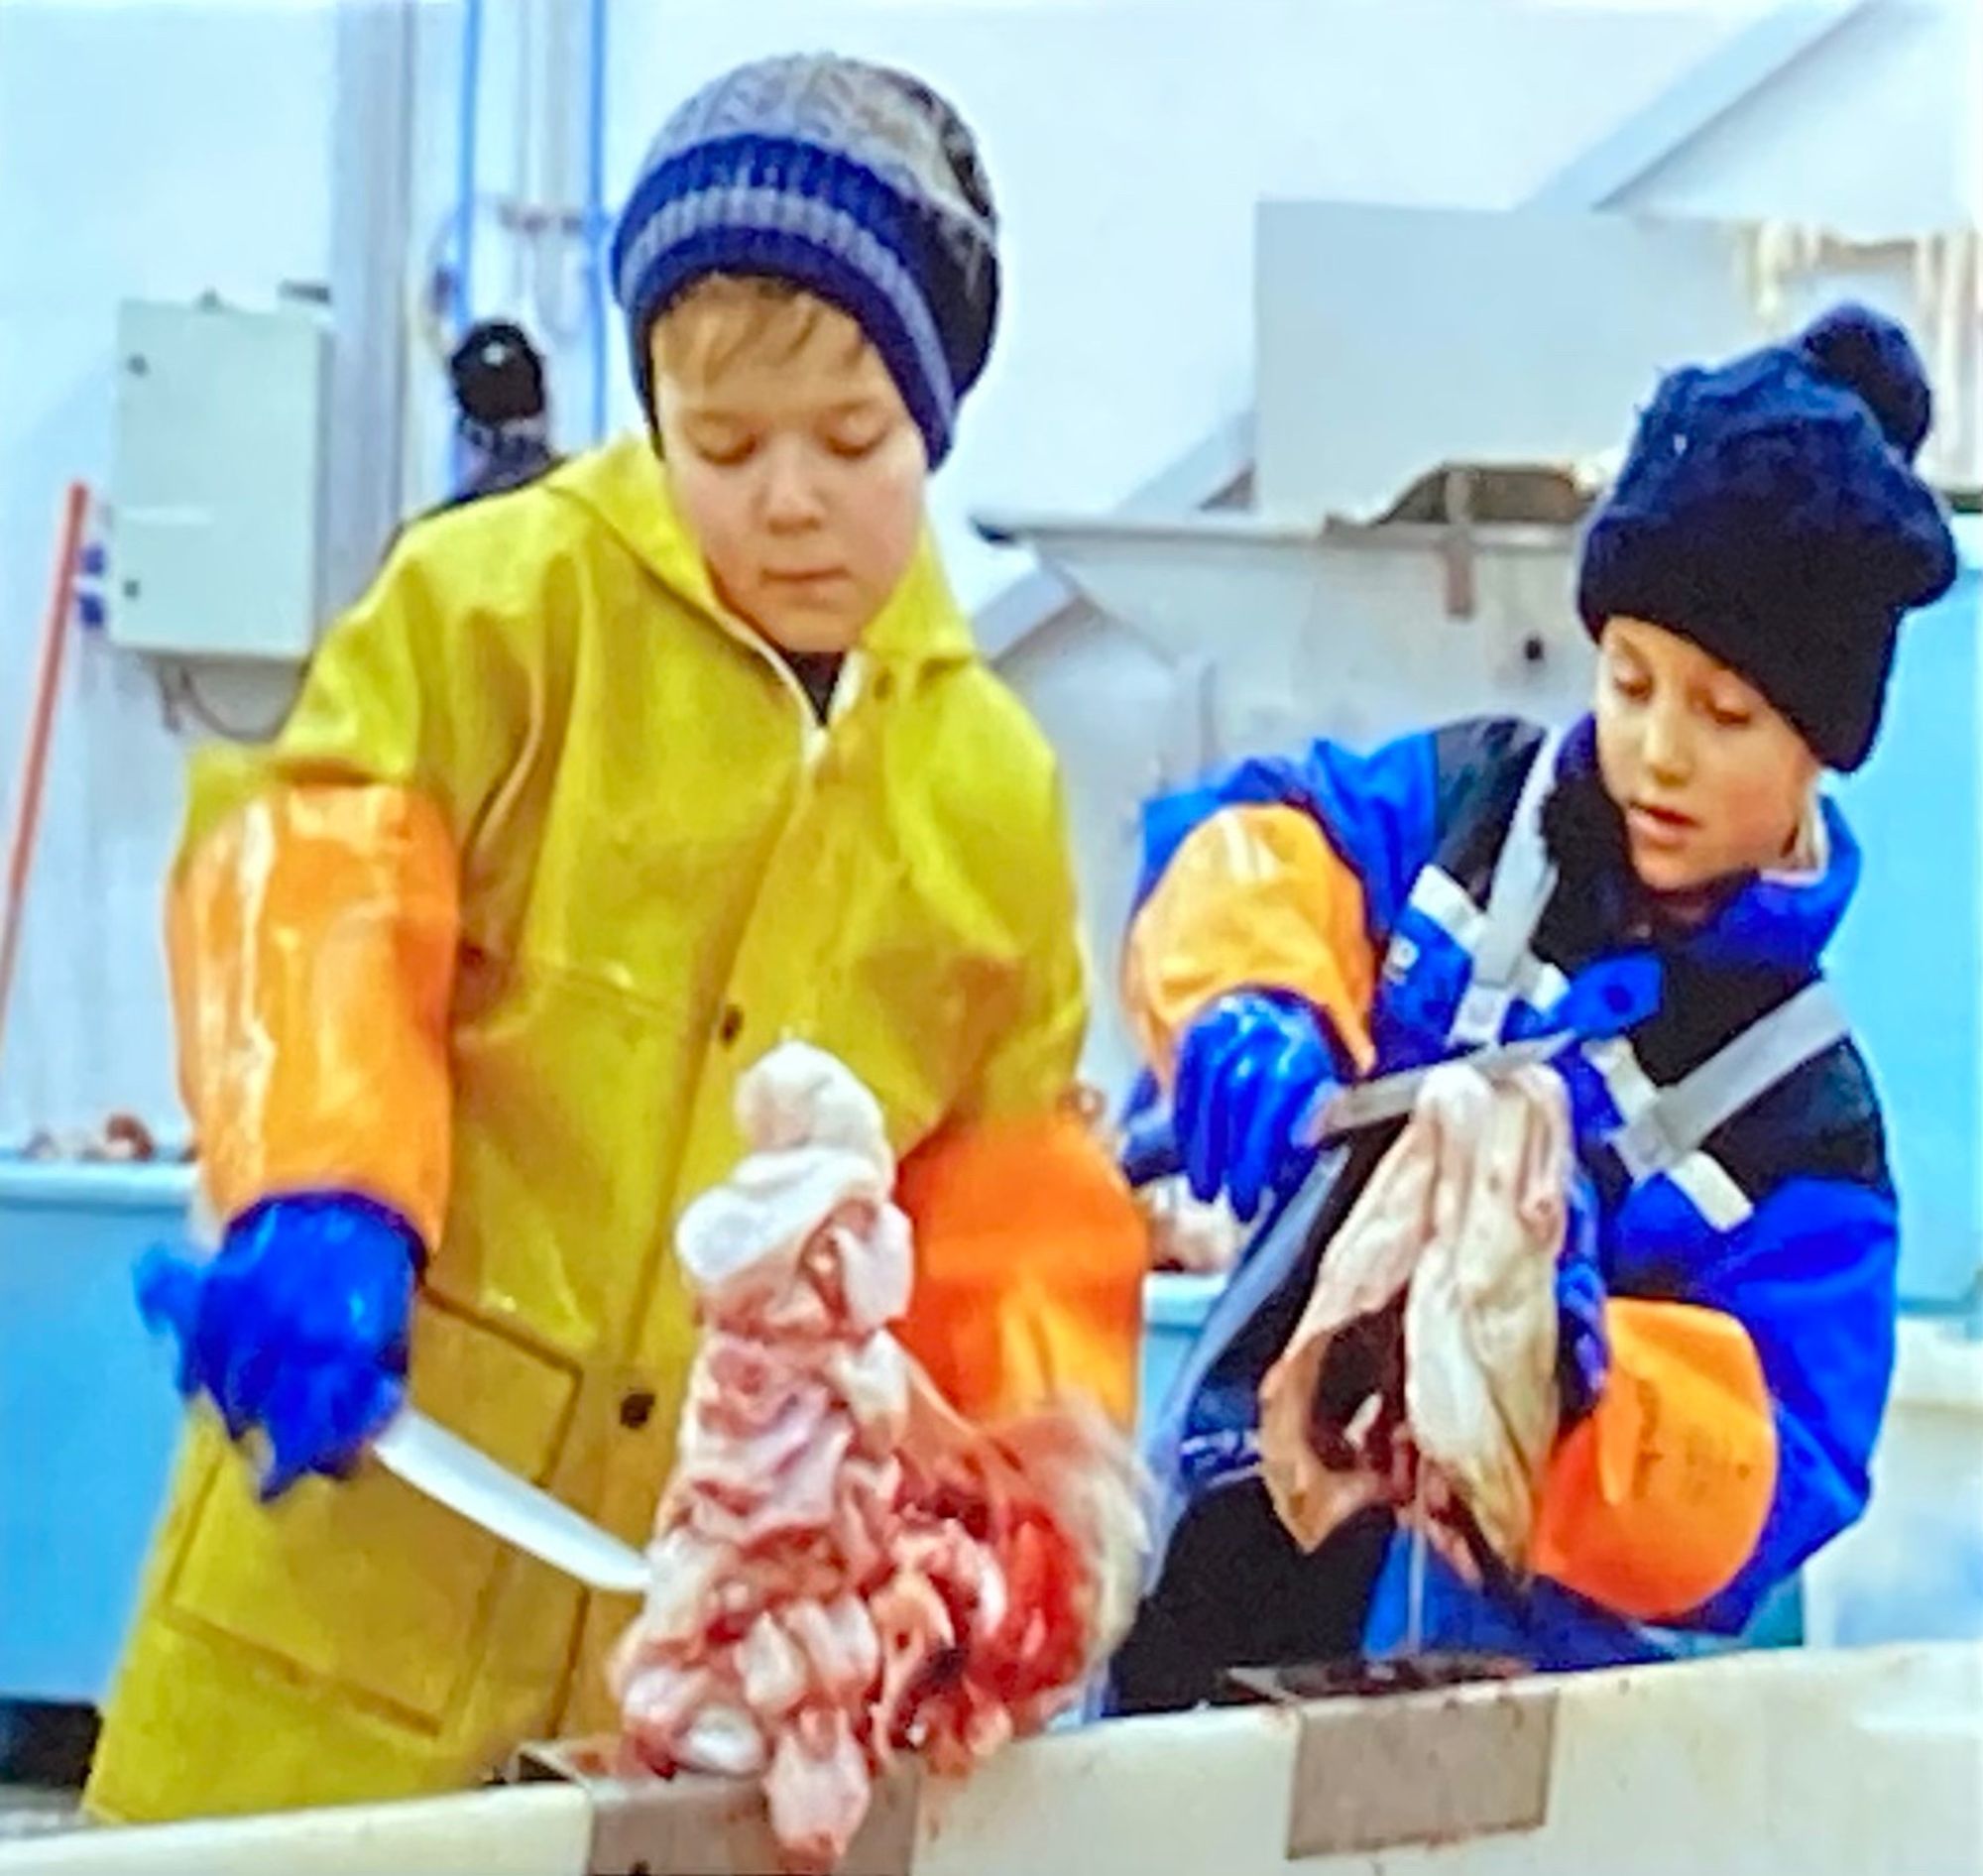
(372, 190)
(462, 300)
(40, 728)
(465, 164)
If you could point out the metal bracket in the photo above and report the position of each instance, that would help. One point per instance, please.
(1462, 594)
(646, 1825)
(1421, 1768)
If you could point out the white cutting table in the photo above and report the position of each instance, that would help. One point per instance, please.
(1800, 1763)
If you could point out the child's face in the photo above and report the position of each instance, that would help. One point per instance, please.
(794, 460)
(1712, 780)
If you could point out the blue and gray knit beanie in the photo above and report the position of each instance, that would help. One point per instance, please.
(1770, 511)
(854, 182)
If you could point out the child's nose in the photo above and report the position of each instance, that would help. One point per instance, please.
(791, 496)
(1666, 745)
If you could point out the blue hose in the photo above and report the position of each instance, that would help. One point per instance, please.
(464, 162)
(595, 214)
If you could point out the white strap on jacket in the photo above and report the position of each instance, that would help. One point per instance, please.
(1524, 878)
(1683, 1114)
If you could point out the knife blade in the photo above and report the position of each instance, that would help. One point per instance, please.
(470, 1483)
(1151, 1150)
(1606, 1000)
(1393, 1097)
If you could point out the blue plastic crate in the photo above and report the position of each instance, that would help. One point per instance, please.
(87, 1416)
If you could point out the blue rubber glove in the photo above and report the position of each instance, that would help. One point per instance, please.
(1250, 1071)
(298, 1327)
(1584, 1349)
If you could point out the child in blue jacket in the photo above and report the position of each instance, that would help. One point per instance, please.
(1726, 1311)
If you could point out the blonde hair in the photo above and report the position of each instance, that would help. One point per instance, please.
(728, 317)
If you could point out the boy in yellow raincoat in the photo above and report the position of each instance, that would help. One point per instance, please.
(607, 785)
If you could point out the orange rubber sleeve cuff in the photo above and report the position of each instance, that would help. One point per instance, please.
(1256, 897)
(1030, 1258)
(312, 935)
(1658, 1497)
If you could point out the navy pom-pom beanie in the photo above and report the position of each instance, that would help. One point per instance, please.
(1771, 511)
(854, 182)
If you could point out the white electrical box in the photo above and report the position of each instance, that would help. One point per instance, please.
(217, 485)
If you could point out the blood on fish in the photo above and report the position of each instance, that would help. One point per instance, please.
(845, 1568)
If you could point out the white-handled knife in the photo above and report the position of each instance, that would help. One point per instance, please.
(469, 1482)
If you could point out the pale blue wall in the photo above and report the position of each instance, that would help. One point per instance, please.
(1909, 956)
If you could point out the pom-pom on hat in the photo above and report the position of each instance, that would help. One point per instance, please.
(1771, 511)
